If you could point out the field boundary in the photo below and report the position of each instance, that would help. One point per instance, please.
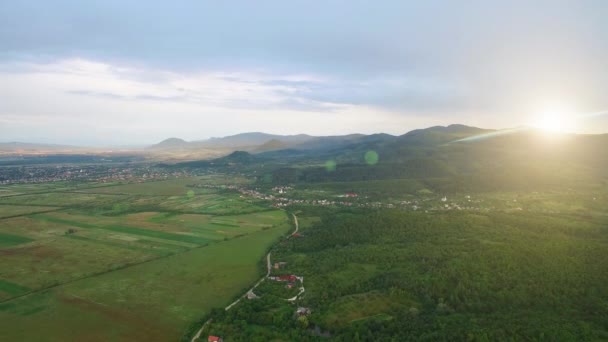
(122, 267)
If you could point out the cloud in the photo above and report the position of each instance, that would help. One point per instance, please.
(79, 100)
(211, 66)
(237, 89)
(215, 88)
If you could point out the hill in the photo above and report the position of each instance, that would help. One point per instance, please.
(253, 139)
(171, 143)
(494, 160)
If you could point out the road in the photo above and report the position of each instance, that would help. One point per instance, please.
(268, 269)
(295, 220)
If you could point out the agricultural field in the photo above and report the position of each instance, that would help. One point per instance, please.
(18, 210)
(174, 187)
(126, 262)
(61, 199)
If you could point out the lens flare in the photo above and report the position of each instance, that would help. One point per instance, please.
(371, 157)
(330, 165)
(555, 119)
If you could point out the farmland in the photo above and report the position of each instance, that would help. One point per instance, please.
(137, 261)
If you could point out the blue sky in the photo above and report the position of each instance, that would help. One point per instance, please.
(135, 72)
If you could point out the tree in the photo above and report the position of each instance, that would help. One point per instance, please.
(303, 322)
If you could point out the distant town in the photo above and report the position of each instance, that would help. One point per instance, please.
(90, 173)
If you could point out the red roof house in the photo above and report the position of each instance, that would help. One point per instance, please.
(290, 278)
(214, 339)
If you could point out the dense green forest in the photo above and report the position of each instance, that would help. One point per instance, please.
(397, 276)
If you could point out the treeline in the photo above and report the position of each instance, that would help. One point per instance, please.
(417, 168)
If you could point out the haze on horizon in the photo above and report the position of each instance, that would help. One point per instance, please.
(137, 72)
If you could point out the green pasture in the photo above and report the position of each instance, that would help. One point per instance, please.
(145, 259)
(60, 199)
(12, 240)
(155, 301)
(16, 210)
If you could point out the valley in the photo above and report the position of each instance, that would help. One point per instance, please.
(430, 239)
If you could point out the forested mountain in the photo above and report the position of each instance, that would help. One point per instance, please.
(448, 158)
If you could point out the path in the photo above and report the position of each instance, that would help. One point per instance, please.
(200, 331)
(295, 220)
(268, 269)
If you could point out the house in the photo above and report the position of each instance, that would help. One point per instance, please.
(279, 264)
(351, 194)
(302, 311)
(290, 278)
(214, 339)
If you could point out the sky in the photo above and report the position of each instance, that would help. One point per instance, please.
(137, 72)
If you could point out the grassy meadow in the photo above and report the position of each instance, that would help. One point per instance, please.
(126, 262)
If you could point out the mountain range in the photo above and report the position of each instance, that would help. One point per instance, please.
(257, 142)
(433, 142)
(445, 158)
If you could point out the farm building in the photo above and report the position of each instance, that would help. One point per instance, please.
(290, 278)
(279, 264)
(302, 311)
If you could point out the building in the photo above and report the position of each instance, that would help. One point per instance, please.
(279, 264)
(214, 339)
(290, 278)
(302, 311)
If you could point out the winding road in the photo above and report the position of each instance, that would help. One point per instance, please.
(268, 269)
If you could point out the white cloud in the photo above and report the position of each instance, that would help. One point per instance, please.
(83, 101)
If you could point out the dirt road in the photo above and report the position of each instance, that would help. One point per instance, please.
(268, 269)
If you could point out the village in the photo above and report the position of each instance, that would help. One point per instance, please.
(279, 196)
(94, 173)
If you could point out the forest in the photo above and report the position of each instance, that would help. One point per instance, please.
(398, 276)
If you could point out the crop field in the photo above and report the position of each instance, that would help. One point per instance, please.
(17, 210)
(174, 187)
(155, 188)
(7, 192)
(126, 262)
(61, 199)
(15, 189)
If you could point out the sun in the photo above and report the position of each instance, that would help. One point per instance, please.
(551, 123)
(554, 120)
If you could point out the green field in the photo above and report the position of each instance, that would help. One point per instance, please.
(126, 262)
(17, 210)
(56, 199)
(153, 301)
(11, 240)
